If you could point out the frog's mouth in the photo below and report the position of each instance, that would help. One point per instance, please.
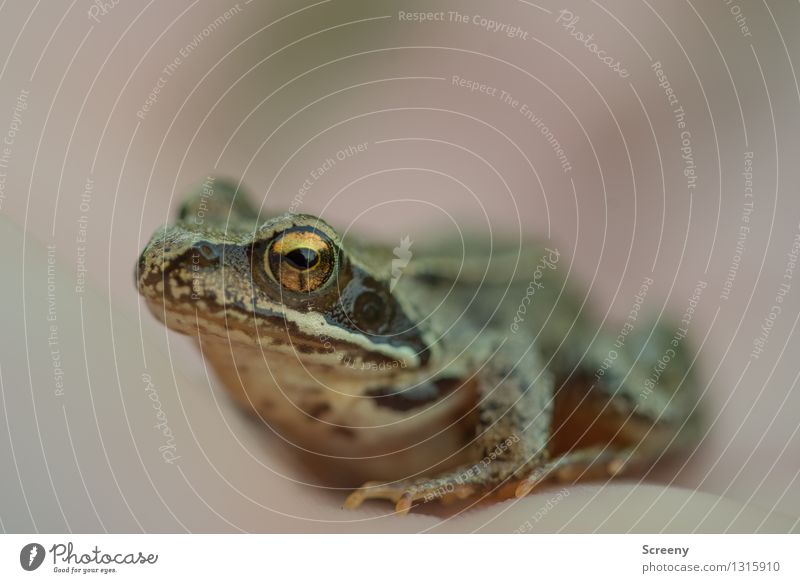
(274, 334)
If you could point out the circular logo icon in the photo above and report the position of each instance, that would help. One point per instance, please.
(31, 556)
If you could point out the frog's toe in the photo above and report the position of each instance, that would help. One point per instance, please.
(429, 490)
(373, 490)
(578, 465)
(527, 484)
(405, 493)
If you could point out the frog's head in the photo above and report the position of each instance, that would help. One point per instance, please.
(288, 287)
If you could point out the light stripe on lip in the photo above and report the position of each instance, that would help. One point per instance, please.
(275, 326)
(316, 326)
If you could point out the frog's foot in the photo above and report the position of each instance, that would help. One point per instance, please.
(577, 465)
(406, 492)
(457, 484)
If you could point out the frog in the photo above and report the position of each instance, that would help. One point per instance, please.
(415, 374)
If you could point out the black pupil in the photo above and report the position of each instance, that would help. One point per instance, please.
(302, 258)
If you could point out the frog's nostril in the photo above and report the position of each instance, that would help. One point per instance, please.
(207, 250)
(201, 254)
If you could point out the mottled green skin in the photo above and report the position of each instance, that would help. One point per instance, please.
(482, 369)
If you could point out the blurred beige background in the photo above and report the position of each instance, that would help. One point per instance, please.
(109, 112)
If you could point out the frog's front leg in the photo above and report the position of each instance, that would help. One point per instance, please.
(515, 414)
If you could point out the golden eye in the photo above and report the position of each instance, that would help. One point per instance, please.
(301, 259)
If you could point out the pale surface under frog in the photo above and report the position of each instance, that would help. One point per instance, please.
(456, 373)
